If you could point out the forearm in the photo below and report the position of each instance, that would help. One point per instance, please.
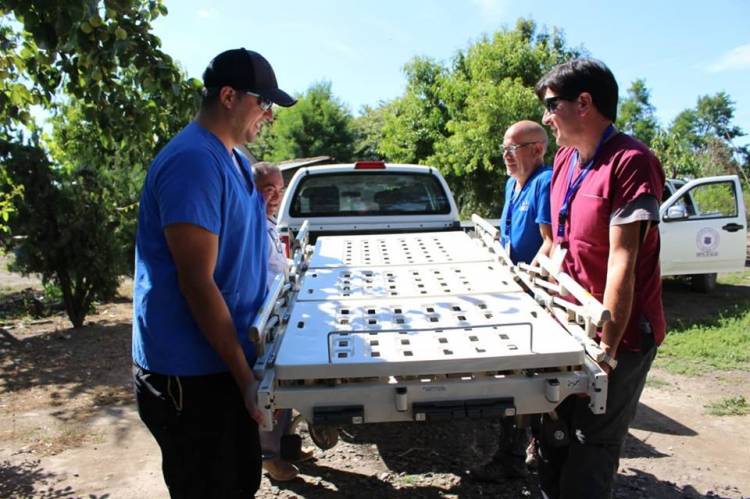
(618, 299)
(620, 286)
(210, 311)
(545, 249)
(545, 230)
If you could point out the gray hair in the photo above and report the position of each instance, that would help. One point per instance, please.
(262, 169)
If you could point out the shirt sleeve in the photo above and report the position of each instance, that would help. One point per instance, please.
(543, 215)
(637, 174)
(189, 189)
(644, 208)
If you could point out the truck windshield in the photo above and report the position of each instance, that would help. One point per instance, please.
(369, 193)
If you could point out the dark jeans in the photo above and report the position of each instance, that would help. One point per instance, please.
(586, 467)
(209, 443)
(513, 440)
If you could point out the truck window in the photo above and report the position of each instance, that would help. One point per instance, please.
(715, 200)
(369, 194)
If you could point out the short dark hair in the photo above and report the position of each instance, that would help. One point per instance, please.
(571, 78)
(209, 97)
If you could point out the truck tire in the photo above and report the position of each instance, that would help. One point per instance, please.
(703, 283)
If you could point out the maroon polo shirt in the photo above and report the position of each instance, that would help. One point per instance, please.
(624, 170)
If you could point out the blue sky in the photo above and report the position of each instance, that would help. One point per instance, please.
(682, 49)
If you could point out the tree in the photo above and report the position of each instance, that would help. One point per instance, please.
(368, 131)
(636, 115)
(318, 125)
(71, 234)
(699, 140)
(455, 117)
(114, 98)
(415, 122)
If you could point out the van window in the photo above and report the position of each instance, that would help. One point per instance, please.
(369, 193)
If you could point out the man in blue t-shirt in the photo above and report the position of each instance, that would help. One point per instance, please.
(525, 230)
(200, 277)
(525, 224)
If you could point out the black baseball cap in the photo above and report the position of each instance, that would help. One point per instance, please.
(244, 69)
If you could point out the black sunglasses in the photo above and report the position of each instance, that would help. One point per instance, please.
(551, 103)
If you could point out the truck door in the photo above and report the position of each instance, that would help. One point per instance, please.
(703, 227)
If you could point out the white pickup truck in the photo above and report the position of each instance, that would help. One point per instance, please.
(703, 229)
(396, 314)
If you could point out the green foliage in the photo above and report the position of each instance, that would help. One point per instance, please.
(715, 199)
(417, 120)
(729, 406)
(68, 201)
(72, 233)
(455, 117)
(699, 141)
(318, 125)
(368, 131)
(636, 114)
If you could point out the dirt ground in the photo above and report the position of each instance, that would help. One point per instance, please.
(69, 427)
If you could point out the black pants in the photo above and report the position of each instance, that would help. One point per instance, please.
(209, 443)
(586, 467)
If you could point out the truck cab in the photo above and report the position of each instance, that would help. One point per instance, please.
(367, 197)
(703, 229)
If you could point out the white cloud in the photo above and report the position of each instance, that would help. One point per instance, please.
(210, 13)
(737, 58)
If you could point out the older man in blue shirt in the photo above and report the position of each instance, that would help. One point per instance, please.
(525, 224)
(525, 231)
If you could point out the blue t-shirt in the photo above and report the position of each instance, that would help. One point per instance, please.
(530, 207)
(194, 180)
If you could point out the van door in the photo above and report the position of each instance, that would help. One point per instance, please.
(703, 227)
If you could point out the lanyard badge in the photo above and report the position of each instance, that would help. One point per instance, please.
(575, 184)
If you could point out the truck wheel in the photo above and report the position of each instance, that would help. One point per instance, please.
(703, 283)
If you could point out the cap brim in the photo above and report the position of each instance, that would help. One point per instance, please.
(279, 97)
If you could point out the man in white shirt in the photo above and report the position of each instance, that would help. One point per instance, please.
(271, 185)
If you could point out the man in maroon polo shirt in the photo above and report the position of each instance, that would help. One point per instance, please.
(605, 194)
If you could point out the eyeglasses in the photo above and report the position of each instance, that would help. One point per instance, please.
(271, 190)
(512, 148)
(551, 103)
(263, 103)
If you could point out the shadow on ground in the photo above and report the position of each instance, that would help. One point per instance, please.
(27, 479)
(75, 374)
(638, 484)
(78, 358)
(350, 484)
(414, 448)
(648, 419)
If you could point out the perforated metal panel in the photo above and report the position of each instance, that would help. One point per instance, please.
(397, 249)
(411, 305)
(416, 336)
(404, 281)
